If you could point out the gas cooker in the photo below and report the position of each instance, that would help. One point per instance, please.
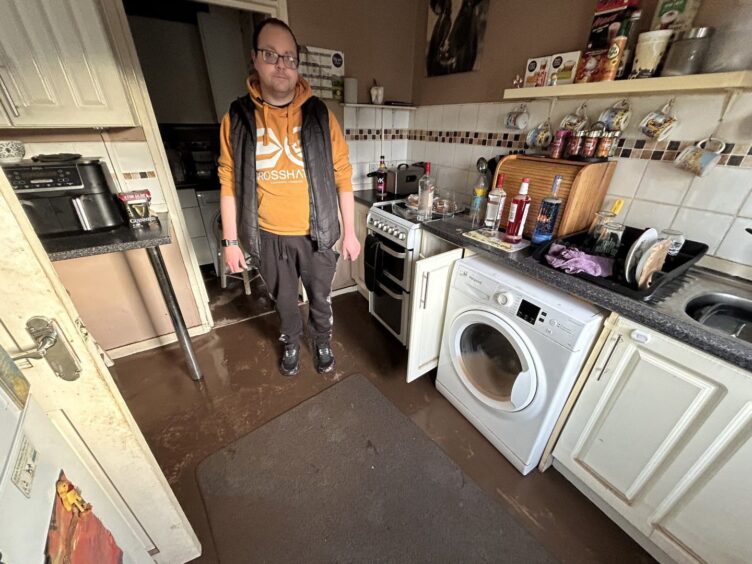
(401, 229)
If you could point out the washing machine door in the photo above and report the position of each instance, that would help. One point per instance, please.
(493, 360)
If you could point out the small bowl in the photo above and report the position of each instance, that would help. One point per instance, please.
(11, 151)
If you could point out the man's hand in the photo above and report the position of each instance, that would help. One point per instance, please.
(350, 247)
(234, 258)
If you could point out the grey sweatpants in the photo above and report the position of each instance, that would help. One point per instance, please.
(284, 260)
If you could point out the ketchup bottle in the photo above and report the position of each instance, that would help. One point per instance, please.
(518, 209)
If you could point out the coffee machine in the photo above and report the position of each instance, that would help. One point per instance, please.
(64, 197)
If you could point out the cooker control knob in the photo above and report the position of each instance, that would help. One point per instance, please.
(392, 231)
(401, 236)
(379, 224)
(502, 298)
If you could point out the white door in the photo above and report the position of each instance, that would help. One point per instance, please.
(34, 457)
(493, 360)
(57, 67)
(95, 413)
(431, 282)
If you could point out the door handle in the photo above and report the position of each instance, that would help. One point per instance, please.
(395, 254)
(389, 293)
(8, 97)
(52, 347)
(424, 293)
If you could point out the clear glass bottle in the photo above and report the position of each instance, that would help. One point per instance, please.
(518, 209)
(496, 199)
(426, 191)
(549, 211)
(381, 178)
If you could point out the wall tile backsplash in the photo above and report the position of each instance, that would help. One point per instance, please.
(715, 209)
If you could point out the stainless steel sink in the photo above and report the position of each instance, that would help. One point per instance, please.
(720, 303)
(724, 312)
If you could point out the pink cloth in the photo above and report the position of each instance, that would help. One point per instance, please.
(573, 261)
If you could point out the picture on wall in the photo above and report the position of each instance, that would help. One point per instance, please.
(455, 34)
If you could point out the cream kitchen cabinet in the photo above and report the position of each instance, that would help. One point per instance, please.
(357, 268)
(57, 66)
(660, 440)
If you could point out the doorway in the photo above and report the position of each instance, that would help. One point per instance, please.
(195, 58)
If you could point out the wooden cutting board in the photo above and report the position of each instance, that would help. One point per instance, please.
(582, 190)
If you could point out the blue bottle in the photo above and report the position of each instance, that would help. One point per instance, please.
(549, 212)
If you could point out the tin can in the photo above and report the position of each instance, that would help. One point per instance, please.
(574, 145)
(590, 143)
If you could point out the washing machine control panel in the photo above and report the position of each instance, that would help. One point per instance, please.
(545, 320)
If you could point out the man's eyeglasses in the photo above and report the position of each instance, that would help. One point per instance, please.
(271, 58)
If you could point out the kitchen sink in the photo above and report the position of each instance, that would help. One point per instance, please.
(724, 312)
(721, 303)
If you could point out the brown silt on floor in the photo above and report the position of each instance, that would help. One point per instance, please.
(184, 422)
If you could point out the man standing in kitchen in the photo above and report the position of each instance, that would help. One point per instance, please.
(284, 172)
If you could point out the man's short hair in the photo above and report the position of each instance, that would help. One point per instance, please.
(278, 23)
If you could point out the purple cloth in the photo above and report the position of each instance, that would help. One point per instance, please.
(573, 261)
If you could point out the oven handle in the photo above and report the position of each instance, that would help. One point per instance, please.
(391, 294)
(395, 254)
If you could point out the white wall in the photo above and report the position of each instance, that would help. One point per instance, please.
(715, 209)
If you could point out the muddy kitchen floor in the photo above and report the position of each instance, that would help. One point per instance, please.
(184, 422)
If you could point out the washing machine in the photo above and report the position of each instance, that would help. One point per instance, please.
(511, 350)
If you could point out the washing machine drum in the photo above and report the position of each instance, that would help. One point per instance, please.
(493, 360)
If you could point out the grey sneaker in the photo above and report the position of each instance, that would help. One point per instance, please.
(324, 357)
(290, 362)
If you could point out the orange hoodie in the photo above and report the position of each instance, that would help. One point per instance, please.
(281, 183)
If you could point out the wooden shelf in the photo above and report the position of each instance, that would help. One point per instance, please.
(380, 106)
(691, 84)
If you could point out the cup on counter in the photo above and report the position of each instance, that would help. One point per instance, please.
(701, 158)
(657, 125)
(518, 118)
(377, 95)
(12, 151)
(649, 52)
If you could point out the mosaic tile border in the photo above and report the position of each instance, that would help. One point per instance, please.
(735, 154)
(483, 138)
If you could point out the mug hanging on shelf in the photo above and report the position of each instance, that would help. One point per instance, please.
(539, 136)
(576, 121)
(657, 125)
(617, 116)
(518, 118)
(701, 158)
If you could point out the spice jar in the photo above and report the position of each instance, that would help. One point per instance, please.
(590, 143)
(574, 145)
(556, 150)
(605, 144)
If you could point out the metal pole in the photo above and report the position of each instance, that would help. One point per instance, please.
(157, 263)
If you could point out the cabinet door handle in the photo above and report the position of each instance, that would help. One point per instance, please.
(424, 293)
(640, 336)
(8, 97)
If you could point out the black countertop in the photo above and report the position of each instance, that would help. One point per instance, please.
(122, 238)
(650, 314)
(370, 197)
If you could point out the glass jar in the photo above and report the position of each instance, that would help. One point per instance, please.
(574, 145)
(590, 143)
(687, 53)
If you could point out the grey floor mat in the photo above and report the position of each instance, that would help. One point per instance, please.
(346, 477)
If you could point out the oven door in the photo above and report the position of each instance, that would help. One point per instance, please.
(390, 304)
(394, 261)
